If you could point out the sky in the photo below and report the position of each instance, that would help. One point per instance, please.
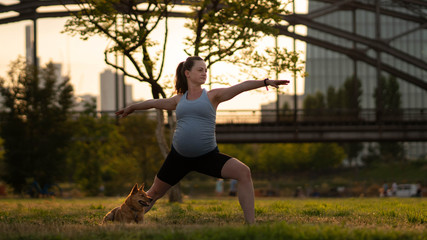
(84, 60)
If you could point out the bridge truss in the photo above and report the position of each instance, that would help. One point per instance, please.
(415, 12)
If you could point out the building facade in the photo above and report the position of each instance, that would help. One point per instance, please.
(108, 92)
(327, 68)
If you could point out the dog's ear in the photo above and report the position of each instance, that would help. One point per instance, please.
(142, 187)
(134, 189)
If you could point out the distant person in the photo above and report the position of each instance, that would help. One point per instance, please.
(315, 192)
(194, 146)
(2, 190)
(419, 189)
(385, 189)
(219, 187)
(381, 191)
(299, 192)
(233, 188)
(394, 189)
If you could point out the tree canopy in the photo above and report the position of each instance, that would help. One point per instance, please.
(35, 123)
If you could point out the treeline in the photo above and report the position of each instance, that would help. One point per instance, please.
(41, 140)
(345, 101)
(276, 159)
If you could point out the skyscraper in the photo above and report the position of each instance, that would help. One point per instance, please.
(108, 91)
(29, 54)
(29, 45)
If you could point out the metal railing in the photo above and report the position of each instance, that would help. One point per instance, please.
(338, 116)
(313, 116)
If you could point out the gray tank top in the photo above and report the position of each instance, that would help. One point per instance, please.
(195, 128)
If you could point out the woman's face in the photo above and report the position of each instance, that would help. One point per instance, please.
(197, 74)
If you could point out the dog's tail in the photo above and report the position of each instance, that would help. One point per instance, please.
(109, 217)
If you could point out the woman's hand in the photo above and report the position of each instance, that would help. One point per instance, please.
(276, 83)
(124, 112)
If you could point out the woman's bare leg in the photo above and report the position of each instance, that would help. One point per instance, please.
(235, 169)
(156, 191)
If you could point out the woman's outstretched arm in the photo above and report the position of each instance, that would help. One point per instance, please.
(164, 103)
(225, 94)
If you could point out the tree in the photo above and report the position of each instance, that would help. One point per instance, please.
(100, 156)
(89, 107)
(106, 158)
(350, 98)
(2, 166)
(352, 95)
(391, 106)
(129, 25)
(346, 100)
(276, 159)
(248, 153)
(222, 28)
(392, 98)
(325, 156)
(342, 102)
(314, 105)
(230, 31)
(333, 98)
(35, 127)
(141, 145)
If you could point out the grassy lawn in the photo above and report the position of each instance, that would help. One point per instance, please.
(218, 218)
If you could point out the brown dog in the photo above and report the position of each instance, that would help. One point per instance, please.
(132, 210)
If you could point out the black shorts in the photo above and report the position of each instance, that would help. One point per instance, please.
(177, 166)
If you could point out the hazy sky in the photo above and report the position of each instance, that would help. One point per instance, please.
(84, 60)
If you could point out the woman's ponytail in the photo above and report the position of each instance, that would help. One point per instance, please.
(181, 85)
(180, 79)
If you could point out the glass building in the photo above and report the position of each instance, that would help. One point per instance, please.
(328, 68)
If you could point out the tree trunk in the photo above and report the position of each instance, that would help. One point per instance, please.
(175, 194)
(160, 134)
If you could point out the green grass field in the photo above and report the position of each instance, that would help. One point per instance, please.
(221, 218)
